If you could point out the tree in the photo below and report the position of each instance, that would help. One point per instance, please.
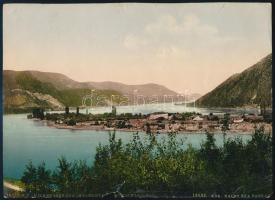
(43, 179)
(63, 177)
(210, 152)
(29, 178)
(67, 110)
(225, 124)
(148, 128)
(234, 165)
(151, 165)
(38, 113)
(71, 122)
(82, 181)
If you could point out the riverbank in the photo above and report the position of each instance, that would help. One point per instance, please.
(157, 122)
(240, 128)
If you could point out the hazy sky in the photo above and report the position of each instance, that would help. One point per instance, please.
(190, 47)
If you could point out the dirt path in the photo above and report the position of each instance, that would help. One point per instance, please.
(13, 187)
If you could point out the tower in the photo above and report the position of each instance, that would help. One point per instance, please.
(113, 110)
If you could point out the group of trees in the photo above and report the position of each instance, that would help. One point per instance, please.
(162, 167)
(123, 124)
(38, 113)
(104, 116)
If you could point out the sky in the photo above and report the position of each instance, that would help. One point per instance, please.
(186, 47)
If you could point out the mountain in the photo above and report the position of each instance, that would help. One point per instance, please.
(24, 90)
(27, 89)
(61, 81)
(144, 89)
(249, 88)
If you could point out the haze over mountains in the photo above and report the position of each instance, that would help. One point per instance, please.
(250, 88)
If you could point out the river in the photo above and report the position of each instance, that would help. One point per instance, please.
(25, 139)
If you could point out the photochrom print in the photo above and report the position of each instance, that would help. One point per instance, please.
(120, 100)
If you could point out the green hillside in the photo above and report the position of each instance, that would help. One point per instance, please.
(250, 88)
(27, 89)
(22, 92)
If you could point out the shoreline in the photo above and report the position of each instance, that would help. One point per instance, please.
(102, 128)
(164, 103)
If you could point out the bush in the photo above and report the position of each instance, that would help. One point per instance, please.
(71, 122)
(164, 168)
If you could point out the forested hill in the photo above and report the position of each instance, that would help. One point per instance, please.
(24, 90)
(251, 87)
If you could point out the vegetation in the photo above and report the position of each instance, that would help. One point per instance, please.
(109, 116)
(21, 101)
(38, 113)
(252, 86)
(225, 124)
(162, 167)
(12, 110)
(92, 117)
(16, 182)
(69, 97)
(188, 115)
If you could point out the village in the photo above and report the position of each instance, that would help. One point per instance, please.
(157, 122)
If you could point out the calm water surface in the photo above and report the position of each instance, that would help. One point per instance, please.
(25, 139)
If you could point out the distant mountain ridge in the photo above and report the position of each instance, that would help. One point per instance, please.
(61, 81)
(148, 89)
(27, 89)
(251, 87)
(24, 90)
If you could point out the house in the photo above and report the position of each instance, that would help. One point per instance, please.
(190, 127)
(197, 118)
(59, 121)
(158, 116)
(253, 118)
(238, 120)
